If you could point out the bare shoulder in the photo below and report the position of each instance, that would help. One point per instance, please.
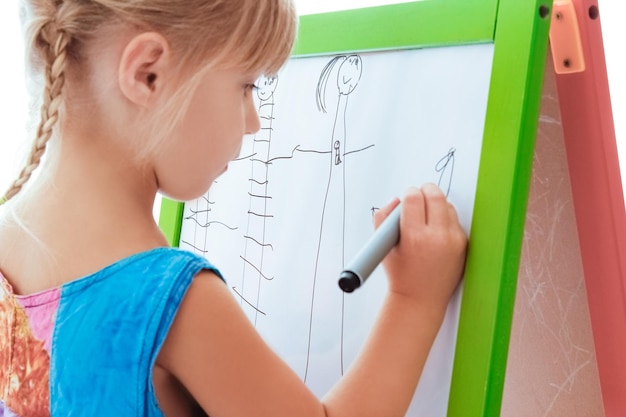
(217, 355)
(203, 313)
(203, 308)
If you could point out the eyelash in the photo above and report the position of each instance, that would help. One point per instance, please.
(250, 87)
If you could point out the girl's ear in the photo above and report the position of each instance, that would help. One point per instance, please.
(144, 67)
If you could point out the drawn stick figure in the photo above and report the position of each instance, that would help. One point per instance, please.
(254, 228)
(255, 244)
(348, 77)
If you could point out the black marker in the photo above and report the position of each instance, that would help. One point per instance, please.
(374, 251)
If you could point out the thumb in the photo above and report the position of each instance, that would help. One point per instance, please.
(384, 212)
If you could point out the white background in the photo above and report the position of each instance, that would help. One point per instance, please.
(13, 101)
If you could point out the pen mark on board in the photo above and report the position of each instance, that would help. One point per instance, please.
(348, 70)
(194, 247)
(258, 214)
(211, 223)
(445, 167)
(243, 158)
(242, 298)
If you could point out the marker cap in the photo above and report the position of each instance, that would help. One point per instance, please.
(349, 281)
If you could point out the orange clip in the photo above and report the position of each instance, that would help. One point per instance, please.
(567, 50)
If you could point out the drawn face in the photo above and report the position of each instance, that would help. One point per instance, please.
(349, 74)
(209, 136)
(266, 87)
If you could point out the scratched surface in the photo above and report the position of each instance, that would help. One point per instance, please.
(552, 368)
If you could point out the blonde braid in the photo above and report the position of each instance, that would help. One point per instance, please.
(57, 42)
(257, 35)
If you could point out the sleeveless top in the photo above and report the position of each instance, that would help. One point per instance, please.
(88, 348)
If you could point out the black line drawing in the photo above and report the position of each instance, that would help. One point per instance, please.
(255, 244)
(445, 167)
(349, 73)
(319, 147)
(201, 217)
(257, 215)
(242, 298)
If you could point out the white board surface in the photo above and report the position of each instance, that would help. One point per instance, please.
(340, 137)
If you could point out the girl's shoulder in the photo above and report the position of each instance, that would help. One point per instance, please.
(158, 266)
(97, 334)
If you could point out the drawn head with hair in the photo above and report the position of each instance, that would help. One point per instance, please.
(145, 72)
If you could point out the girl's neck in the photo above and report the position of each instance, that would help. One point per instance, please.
(91, 207)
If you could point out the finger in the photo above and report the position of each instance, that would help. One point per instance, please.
(437, 212)
(453, 216)
(413, 210)
(383, 213)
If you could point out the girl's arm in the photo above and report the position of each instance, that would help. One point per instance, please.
(214, 351)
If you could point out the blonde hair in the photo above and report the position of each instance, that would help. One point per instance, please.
(255, 35)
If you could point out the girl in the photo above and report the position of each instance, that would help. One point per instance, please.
(98, 317)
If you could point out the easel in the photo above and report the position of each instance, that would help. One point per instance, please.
(575, 201)
(600, 214)
(519, 31)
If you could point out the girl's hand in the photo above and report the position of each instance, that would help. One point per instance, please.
(427, 263)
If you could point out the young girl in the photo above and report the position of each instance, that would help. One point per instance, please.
(98, 317)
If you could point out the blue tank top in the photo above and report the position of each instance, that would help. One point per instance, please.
(89, 347)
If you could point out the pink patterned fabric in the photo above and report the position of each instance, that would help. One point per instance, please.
(24, 357)
(41, 310)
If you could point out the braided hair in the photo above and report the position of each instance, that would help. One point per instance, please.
(253, 34)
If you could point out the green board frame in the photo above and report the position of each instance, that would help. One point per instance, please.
(519, 31)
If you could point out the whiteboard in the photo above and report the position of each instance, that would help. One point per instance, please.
(340, 137)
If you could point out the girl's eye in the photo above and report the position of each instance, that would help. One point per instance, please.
(250, 87)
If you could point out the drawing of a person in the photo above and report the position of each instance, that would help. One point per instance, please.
(258, 213)
(255, 243)
(329, 250)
